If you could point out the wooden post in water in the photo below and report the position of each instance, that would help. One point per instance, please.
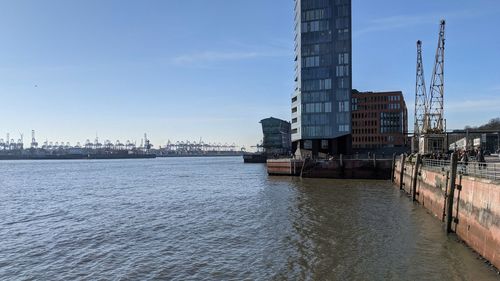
(451, 195)
(415, 178)
(393, 167)
(445, 195)
(402, 172)
(303, 165)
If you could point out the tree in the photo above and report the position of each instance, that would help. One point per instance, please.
(493, 124)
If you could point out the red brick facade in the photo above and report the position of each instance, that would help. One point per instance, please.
(379, 119)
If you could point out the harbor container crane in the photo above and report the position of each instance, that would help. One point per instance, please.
(34, 144)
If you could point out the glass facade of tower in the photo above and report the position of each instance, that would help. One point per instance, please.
(321, 102)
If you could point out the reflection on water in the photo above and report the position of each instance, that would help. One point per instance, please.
(214, 219)
(366, 230)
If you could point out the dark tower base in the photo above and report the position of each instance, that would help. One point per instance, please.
(340, 145)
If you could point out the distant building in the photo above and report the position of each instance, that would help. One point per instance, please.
(489, 142)
(379, 120)
(460, 144)
(321, 110)
(277, 138)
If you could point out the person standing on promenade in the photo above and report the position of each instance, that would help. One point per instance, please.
(480, 158)
(465, 161)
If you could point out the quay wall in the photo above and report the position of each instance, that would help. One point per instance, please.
(476, 204)
(350, 169)
(335, 169)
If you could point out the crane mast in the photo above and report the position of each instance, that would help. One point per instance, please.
(435, 107)
(420, 94)
(34, 144)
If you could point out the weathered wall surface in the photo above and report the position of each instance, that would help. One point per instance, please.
(352, 169)
(286, 167)
(476, 206)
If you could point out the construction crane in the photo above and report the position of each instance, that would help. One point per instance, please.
(435, 114)
(420, 94)
(429, 127)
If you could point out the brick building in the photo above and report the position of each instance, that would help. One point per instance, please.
(379, 120)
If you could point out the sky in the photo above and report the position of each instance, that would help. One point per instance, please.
(212, 69)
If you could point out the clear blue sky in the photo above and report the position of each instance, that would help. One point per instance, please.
(185, 69)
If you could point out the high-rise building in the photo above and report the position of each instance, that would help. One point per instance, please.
(321, 109)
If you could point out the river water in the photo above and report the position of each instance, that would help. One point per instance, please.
(214, 219)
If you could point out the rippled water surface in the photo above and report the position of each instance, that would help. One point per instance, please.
(214, 219)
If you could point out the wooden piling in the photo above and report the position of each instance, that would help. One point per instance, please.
(451, 195)
(393, 167)
(443, 217)
(402, 171)
(415, 178)
(303, 166)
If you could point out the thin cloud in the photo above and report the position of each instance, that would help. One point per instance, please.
(495, 88)
(405, 21)
(201, 119)
(207, 57)
(483, 104)
(395, 22)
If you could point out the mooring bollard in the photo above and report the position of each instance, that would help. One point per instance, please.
(451, 195)
(415, 178)
(402, 172)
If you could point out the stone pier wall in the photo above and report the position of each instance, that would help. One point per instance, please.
(476, 205)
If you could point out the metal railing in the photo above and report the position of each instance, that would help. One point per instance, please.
(487, 170)
(442, 165)
(480, 169)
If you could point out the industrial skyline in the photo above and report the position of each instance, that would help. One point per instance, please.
(71, 70)
(20, 141)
